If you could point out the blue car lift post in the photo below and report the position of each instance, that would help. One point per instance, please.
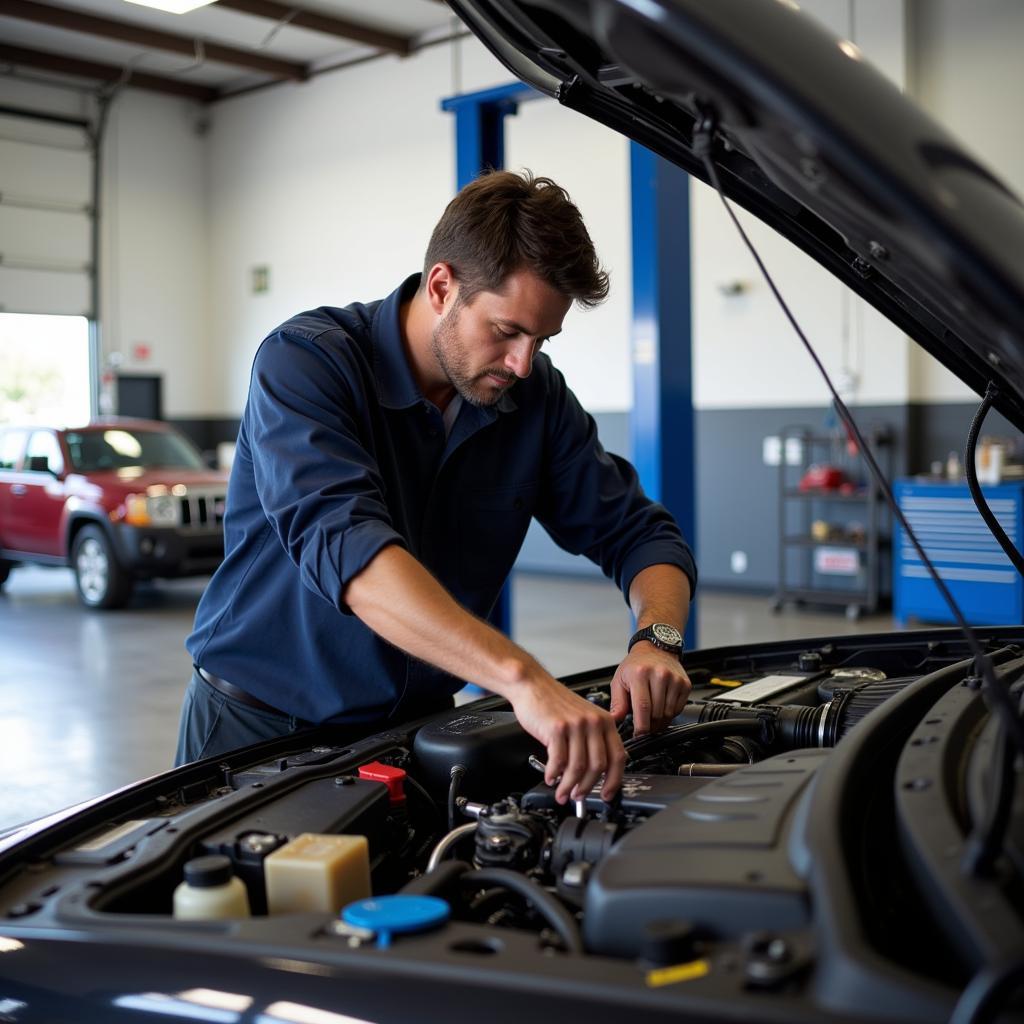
(662, 360)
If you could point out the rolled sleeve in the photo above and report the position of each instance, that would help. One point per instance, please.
(316, 477)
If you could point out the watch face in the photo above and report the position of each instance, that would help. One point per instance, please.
(667, 634)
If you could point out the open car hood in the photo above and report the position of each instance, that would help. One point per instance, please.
(812, 140)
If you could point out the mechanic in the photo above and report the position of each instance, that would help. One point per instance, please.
(389, 461)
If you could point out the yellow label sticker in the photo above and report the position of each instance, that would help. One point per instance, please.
(680, 972)
(715, 681)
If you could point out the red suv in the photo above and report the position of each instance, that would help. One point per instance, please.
(117, 500)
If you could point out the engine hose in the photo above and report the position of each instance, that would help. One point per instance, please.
(447, 842)
(679, 734)
(442, 881)
(793, 725)
(543, 902)
(458, 773)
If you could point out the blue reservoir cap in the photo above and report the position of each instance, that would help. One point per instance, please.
(396, 915)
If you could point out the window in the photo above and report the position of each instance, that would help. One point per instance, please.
(43, 445)
(11, 444)
(45, 362)
(121, 448)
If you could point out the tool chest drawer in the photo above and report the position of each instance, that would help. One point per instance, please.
(968, 558)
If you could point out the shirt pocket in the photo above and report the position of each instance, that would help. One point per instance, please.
(492, 526)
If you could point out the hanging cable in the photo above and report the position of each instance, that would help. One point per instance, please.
(991, 393)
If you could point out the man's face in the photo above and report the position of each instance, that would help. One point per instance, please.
(484, 346)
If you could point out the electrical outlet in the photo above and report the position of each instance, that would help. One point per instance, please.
(738, 562)
(794, 451)
(771, 451)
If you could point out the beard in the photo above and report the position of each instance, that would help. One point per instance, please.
(451, 355)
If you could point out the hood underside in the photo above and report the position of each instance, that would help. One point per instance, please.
(809, 138)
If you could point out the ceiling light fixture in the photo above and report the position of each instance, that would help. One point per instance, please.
(173, 6)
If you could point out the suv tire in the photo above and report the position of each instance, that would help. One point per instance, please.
(99, 577)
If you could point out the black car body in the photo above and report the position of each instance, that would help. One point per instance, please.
(807, 851)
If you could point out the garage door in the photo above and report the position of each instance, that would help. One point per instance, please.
(45, 216)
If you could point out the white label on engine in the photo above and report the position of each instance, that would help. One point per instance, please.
(760, 689)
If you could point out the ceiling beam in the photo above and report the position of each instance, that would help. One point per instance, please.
(22, 57)
(154, 39)
(353, 31)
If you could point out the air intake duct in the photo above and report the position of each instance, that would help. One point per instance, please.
(791, 726)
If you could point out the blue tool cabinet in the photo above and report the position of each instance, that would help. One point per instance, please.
(968, 558)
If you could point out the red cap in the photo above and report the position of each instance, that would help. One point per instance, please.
(393, 778)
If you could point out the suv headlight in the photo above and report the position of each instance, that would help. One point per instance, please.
(152, 510)
(163, 511)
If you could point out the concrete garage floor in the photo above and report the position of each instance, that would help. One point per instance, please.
(89, 701)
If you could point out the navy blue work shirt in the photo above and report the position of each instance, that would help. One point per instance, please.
(339, 455)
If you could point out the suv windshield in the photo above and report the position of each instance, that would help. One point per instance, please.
(118, 448)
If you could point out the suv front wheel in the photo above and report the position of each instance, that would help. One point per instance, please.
(100, 579)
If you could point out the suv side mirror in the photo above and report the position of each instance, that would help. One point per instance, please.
(39, 464)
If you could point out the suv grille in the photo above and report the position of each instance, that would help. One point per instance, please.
(202, 511)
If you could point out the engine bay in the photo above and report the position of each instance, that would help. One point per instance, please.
(771, 845)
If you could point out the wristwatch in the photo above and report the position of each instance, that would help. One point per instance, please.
(662, 635)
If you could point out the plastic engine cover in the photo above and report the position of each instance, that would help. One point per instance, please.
(716, 859)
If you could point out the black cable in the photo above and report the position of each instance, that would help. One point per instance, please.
(991, 392)
(458, 773)
(702, 140)
(543, 902)
(427, 798)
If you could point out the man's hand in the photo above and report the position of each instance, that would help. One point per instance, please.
(581, 739)
(654, 683)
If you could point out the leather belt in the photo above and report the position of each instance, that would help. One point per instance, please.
(222, 686)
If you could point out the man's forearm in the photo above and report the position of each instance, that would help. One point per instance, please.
(400, 601)
(660, 593)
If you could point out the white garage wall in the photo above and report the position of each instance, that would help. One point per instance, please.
(592, 164)
(154, 245)
(966, 70)
(746, 353)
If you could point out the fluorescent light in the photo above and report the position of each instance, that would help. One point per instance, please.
(173, 6)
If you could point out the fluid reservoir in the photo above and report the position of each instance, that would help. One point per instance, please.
(210, 891)
(317, 872)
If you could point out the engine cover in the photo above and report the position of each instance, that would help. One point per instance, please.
(717, 859)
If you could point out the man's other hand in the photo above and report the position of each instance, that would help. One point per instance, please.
(654, 684)
(582, 740)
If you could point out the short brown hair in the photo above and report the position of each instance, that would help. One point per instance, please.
(503, 222)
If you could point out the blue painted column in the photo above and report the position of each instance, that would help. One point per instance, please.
(662, 422)
(480, 146)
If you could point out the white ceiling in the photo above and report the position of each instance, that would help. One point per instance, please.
(414, 19)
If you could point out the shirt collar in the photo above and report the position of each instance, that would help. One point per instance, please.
(396, 386)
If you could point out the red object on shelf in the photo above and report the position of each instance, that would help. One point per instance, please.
(823, 478)
(393, 778)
